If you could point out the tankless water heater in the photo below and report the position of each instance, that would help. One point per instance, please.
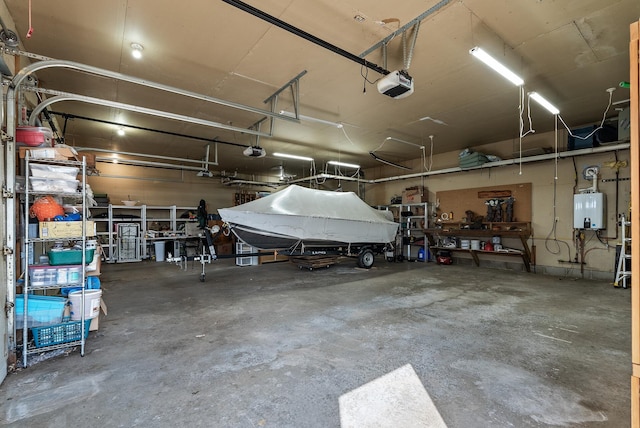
(589, 211)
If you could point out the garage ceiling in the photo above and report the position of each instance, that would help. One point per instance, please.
(570, 51)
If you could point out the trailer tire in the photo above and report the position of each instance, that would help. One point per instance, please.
(366, 258)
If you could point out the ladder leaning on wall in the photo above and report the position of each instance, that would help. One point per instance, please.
(622, 274)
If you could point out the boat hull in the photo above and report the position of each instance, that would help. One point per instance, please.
(313, 217)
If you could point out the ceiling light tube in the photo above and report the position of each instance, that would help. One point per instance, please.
(311, 119)
(346, 165)
(285, 155)
(544, 103)
(496, 65)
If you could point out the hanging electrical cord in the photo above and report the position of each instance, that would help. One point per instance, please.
(528, 110)
(364, 72)
(599, 127)
(554, 229)
(428, 169)
(522, 134)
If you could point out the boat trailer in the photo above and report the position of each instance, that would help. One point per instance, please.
(365, 253)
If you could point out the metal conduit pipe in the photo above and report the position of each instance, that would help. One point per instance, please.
(28, 70)
(147, 163)
(144, 110)
(84, 149)
(538, 158)
(582, 152)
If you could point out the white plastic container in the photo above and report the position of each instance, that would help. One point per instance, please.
(60, 172)
(91, 304)
(159, 247)
(475, 244)
(53, 185)
(36, 276)
(465, 244)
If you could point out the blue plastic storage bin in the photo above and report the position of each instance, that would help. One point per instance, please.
(42, 310)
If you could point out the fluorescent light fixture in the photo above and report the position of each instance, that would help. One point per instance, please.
(346, 165)
(496, 65)
(544, 103)
(285, 155)
(136, 50)
(311, 119)
(121, 132)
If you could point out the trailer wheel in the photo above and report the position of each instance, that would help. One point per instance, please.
(366, 259)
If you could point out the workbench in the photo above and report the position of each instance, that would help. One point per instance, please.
(516, 230)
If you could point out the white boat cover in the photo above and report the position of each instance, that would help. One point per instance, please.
(314, 215)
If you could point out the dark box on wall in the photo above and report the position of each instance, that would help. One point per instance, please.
(580, 139)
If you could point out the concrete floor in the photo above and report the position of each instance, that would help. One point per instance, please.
(274, 346)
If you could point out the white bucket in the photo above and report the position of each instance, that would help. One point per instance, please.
(159, 246)
(91, 304)
(475, 244)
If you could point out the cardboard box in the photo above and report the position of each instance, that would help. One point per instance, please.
(415, 195)
(65, 229)
(226, 248)
(95, 322)
(89, 158)
(60, 153)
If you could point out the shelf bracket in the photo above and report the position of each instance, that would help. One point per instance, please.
(5, 137)
(8, 306)
(6, 194)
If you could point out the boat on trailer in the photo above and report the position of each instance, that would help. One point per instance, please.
(299, 221)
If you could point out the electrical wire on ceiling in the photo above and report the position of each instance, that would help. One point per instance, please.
(604, 118)
(396, 165)
(349, 139)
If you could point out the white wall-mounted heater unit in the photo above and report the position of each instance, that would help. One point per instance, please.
(589, 211)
